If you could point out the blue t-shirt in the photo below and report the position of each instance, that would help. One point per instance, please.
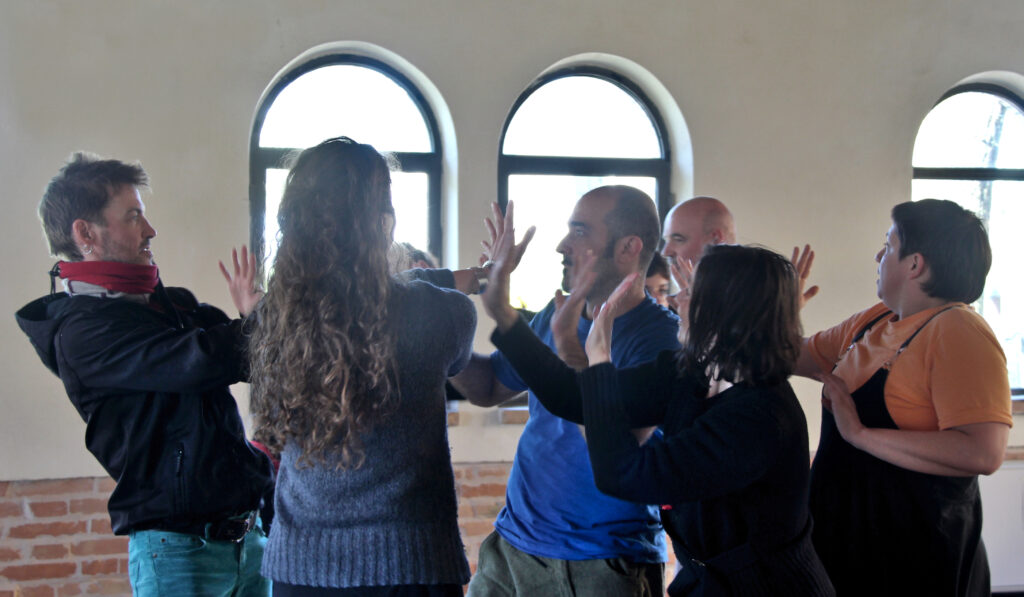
(552, 506)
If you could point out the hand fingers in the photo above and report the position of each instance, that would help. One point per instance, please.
(248, 261)
(803, 260)
(492, 232)
(521, 247)
(498, 222)
(510, 215)
(224, 271)
(811, 293)
(559, 299)
(234, 260)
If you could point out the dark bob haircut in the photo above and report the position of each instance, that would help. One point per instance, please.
(953, 242)
(744, 317)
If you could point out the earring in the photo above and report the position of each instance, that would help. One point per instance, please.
(87, 250)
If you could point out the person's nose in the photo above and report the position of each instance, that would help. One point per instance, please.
(148, 231)
(563, 246)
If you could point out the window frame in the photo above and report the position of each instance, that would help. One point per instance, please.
(659, 168)
(263, 158)
(976, 174)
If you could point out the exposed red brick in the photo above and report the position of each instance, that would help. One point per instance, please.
(54, 487)
(7, 594)
(43, 590)
(39, 571)
(89, 506)
(4, 487)
(49, 552)
(105, 485)
(48, 509)
(69, 590)
(99, 567)
(29, 531)
(500, 472)
(109, 586)
(100, 526)
(37, 591)
(95, 547)
(488, 510)
(123, 566)
(476, 528)
(491, 489)
(11, 509)
(9, 555)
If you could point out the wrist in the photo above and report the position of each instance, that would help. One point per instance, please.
(505, 318)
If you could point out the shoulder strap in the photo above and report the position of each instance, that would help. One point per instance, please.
(914, 335)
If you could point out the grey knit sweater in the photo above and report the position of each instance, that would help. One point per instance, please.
(393, 520)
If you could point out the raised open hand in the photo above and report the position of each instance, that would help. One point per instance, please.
(242, 285)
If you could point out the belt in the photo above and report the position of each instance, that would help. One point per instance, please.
(230, 529)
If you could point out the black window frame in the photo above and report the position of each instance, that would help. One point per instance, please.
(659, 168)
(976, 174)
(263, 158)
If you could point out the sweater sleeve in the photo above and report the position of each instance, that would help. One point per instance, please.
(442, 278)
(557, 386)
(726, 448)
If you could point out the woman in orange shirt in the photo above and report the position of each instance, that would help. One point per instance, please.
(894, 489)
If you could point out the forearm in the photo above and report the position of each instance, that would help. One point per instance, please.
(571, 352)
(552, 381)
(806, 365)
(715, 455)
(479, 385)
(959, 452)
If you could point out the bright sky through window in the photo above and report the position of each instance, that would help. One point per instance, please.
(982, 130)
(582, 117)
(365, 105)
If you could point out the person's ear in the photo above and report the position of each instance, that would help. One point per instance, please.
(82, 231)
(918, 265)
(630, 247)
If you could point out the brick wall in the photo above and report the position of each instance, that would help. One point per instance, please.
(55, 540)
(55, 537)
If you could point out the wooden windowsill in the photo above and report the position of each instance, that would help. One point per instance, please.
(513, 415)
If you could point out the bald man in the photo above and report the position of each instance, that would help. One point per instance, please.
(701, 221)
(695, 224)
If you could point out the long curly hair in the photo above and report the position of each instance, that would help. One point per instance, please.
(322, 351)
(744, 317)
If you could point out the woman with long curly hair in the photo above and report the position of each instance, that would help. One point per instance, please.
(348, 372)
(733, 465)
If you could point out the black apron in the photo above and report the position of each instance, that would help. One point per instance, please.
(884, 530)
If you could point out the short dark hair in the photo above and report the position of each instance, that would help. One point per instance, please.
(954, 244)
(80, 191)
(658, 266)
(744, 316)
(634, 214)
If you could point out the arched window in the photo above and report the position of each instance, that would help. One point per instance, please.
(970, 149)
(573, 130)
(358, 97)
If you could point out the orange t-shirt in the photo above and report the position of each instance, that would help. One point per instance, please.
(953, 372)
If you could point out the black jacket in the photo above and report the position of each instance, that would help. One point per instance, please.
(152, 388)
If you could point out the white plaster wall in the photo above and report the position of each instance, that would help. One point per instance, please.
(802, 117)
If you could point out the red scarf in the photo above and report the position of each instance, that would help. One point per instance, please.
(128, 278)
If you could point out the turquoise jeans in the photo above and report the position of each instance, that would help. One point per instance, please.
(162, 563)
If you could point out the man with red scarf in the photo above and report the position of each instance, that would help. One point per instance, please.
(148, 369)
